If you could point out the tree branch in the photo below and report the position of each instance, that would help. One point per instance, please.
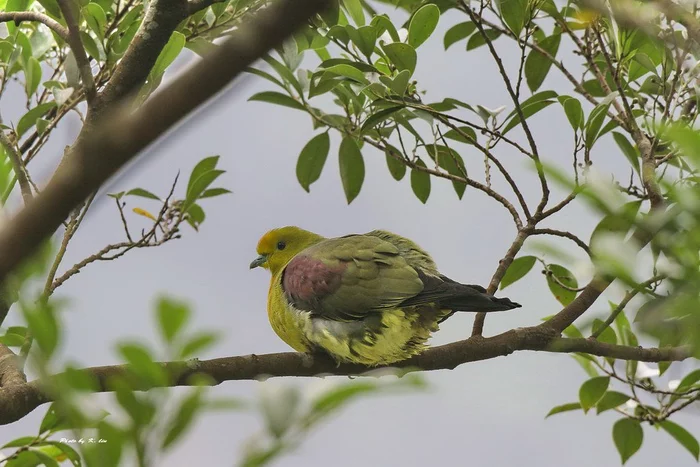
(193, 6)
(18, 400)
(160, 20)
(10, 372)
(563, 234)
(76, 45)
(503, 264)
(125, 133)
(17, 166)
(19, 16)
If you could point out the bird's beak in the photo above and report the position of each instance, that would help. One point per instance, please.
(259, 261)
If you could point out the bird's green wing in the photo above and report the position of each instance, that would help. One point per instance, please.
(349, 278)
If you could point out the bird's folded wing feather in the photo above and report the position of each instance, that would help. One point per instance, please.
(350, 277)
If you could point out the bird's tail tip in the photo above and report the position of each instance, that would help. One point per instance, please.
(507, 303)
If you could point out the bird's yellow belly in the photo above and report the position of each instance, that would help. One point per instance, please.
(381, 339)
(396, 338)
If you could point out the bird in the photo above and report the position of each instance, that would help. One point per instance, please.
(372, 299)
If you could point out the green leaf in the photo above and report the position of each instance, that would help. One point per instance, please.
(212, 192)
(594, 123)
(610, 400)
(448, 159)
(352, 168)
(628, 436)
(585, 361)
(195, 215)
(396, 167)
(19, 442)
(96, 19)
(348, 72)
(93, 48)
(617, 222)
(312, 159)
(630, 152)
(517, 270)
(183, 420)
(528, 111)
(573, 111)
(458, 32)
(265, 75)
(538, 65)
(14, 337)
(169, 53)
(400, 82)
(172, 316)
(42, 324)
(29, 119)
(378, 117)
(196, 344)
(683, 436)
(335, 398)
(608, 335)
(563, 408)
(203, 166)
(364, 38)
(139, 358)
(32, 76)
(514, 13)
(593, 391)
(563, 275)
(51, 7)
(688, 381)
(354, 7)
(67, 451)
(197, 187)
(142, 193)
(403, 56)
(420, 182)
(422, 25)
(47, 454)
(278, 98)
(477, 40)
(280, 407)
(470, 137)
(284, 72)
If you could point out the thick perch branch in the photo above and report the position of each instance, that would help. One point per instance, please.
(125, 133)
(18, 400)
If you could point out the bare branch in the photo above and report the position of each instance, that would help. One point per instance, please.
(17, 166)
(619, 308)
(561, 233)
(18, 400)
(18, 16)
(503, 264)
(516, 102)
(76, 45)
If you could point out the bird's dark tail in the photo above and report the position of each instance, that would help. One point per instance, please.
(454, 296)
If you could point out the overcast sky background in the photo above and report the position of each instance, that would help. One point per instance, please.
(487, 413)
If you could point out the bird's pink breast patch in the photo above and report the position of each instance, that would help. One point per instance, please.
(307, 280)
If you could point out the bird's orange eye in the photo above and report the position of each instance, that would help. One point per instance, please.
(281, 245)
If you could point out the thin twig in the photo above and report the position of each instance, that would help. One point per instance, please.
(561, 233)
(18, 16)
(17, 165)
(621, 306)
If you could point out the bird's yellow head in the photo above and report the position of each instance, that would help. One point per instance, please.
(278, 246)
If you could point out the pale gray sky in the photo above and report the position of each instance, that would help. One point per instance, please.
(488, 413)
